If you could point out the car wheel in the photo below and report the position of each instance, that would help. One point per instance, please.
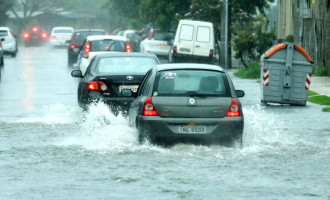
(141, 136)
(14, 54)
(1, 61)
(70, 61)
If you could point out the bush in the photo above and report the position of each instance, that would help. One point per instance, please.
(322, 71)
(252, 72)
(289, 38)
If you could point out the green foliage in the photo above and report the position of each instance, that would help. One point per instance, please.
(312, 93)
(320, 99)
(250, 40)
(321, 71)
(327, 109)
(289, 38)
(252, 72)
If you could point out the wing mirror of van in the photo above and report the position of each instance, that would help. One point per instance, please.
(170, 42)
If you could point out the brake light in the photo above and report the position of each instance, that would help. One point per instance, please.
(72, 47)
(44, 35)
(26, 35)
(53, 37)
(151, 35)
(174, 49)
(211, 53)
(87, 50)
(128, 48)
(35, 29)
(234, 109)
(97, 86)
(148, 108)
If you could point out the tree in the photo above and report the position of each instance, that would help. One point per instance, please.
(5, 6)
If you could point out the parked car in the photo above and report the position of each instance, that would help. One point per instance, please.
(9, 44)
(98, 44)
(77, 41)
(1, 53)
(194, 41)
(108, 74)
(156, 43)
(187, 102)
(35, 36)
(59, 36)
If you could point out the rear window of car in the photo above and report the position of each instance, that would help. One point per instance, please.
(191, 83)
(63, 31)
(124, 65)
(80, 37)
(3, 33)
(163, 36)
(108, 45)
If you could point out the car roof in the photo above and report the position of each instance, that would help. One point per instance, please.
(163, 67)
(4, 28)
(62, 27)
(124, 54)
(113, 37)
(89, 30)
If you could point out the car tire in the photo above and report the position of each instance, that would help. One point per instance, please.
(2, 61)
(14, 54)
(70, 61)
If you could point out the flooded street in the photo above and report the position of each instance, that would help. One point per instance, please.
(51, 149)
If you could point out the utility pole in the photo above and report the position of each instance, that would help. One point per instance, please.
(225, 43)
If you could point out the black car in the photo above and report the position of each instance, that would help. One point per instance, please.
(77, 41)
(35, 36)
(187, 102)
(110, 73)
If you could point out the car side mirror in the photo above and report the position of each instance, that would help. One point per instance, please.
(2, 39)
(240, 93)
(76, 73)
(126, 92)
(170, 42)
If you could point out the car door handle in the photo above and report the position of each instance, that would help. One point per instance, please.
(197, 46)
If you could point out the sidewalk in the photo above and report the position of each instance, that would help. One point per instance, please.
(321, 85)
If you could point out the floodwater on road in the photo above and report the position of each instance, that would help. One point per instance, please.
(51, 149)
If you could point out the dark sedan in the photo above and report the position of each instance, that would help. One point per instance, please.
(188, 102)
(108, 74)
(35, 36)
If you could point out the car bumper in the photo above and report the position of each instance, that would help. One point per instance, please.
(115, 103)
(216, 128)
(185, 57)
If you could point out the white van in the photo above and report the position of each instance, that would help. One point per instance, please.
(194, 41)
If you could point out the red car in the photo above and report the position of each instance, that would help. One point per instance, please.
(77, 41)
(35, 36)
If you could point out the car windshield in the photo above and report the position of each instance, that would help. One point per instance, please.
(3, 33)
(191, 83)
(80, 37)
(63, 31)
(163, 36)
(108, 45)
(124, 65)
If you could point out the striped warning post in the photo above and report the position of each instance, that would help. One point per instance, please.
(266, 77)
(308, 81)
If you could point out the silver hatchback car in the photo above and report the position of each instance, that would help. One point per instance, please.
(186, 103)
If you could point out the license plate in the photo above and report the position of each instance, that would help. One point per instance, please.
(184, 49)
(192, 129)
(163, 46)
(134, 88)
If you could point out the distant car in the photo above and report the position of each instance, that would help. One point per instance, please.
(156, 43)
(1, 54)
(108, 74)
(36, 36)
(77, 41)
(59, 36)
(9, 44)
(187, 102)
(135, 38)
(98, 44)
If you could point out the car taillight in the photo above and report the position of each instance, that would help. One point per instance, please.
(174, 49)
(97, 86)
(35, 29)
(148, 108)
(44, 35)
(72, 47)
(87, 49)
(26, 35)
(234, 109)
(53, 37)
(151, 35)
(211, 53)
(128, 48)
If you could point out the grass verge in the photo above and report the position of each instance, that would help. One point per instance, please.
(319, 99)
(252, 72)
